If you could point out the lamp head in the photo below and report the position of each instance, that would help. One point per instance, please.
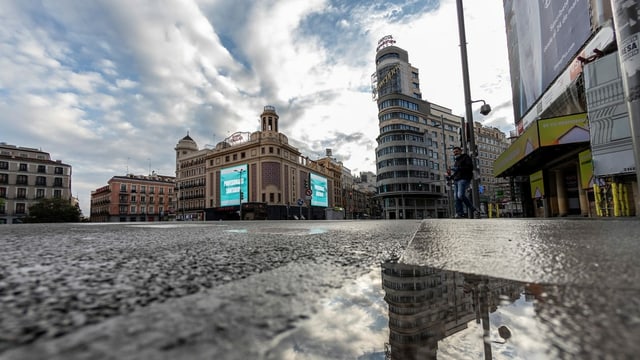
(485, 109)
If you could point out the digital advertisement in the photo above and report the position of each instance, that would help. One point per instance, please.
(320, 192)
(233, 181)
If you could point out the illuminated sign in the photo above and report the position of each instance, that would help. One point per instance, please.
(384, 42)
(237, 138)
(319, 190)
(233, 183)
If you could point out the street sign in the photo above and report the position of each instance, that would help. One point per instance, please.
(308, 192)
(300, 202)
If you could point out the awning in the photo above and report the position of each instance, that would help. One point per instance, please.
(542, 144)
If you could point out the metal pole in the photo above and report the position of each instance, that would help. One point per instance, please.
(240, 193)
(625, 19)
(467, 104)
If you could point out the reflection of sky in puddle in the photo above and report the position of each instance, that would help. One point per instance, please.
(438, 314)
(350, 325)
(172, 225)
(426, 313)
(282, 231)
(519, 317)
(354, 323)
(314, 231)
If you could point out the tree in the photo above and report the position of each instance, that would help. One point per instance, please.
(53, 210)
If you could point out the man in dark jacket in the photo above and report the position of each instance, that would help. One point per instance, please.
(462, 174)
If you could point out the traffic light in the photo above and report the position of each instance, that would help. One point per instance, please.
(241, 195)
(306, 183)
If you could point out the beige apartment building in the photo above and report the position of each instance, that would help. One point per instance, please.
(28, 175)
(261, 170)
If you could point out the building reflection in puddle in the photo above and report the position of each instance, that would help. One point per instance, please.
(444, 314)
(421, 312)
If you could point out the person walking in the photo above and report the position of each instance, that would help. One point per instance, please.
(462, 173)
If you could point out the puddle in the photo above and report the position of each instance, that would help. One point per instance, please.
(353, 324)
(280, 231)
(401, 311)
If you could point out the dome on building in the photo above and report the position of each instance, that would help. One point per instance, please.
(187, 143)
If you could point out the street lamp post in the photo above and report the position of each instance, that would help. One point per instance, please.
(240, 194)
(467, 102)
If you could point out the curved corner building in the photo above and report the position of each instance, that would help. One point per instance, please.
(411, 157)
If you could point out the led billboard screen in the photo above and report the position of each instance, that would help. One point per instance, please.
(320, 195)
(233, 180)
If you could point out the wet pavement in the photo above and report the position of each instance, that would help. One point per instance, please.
(535, 289)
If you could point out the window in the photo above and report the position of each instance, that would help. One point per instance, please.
(133, 198)
(20, 208)
(39, 193)
(42, 169)
(3, 192)
(134, 188)
(161, 200)
(133, 209)
(270, 149)
(271, 197)
(143, 189)
(152, 189)
(4, 165)
(41, 181)
(143, 199)
(151, 199)
(243, 155)
(58, 182)
(143, 209)
(161, 190)
(22, 180)
(57, 193)
(235, 157)
(226, 158)
(58, 171)
(123, 187)
(22, 193)
(23, 167)
(151, 209)
(4, 179)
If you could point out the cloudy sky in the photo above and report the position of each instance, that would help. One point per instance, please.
(110, 86)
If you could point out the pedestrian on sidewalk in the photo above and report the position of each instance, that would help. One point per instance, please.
(462, 174)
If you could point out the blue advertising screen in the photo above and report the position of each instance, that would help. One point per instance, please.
(320, 195)
(232, 181)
